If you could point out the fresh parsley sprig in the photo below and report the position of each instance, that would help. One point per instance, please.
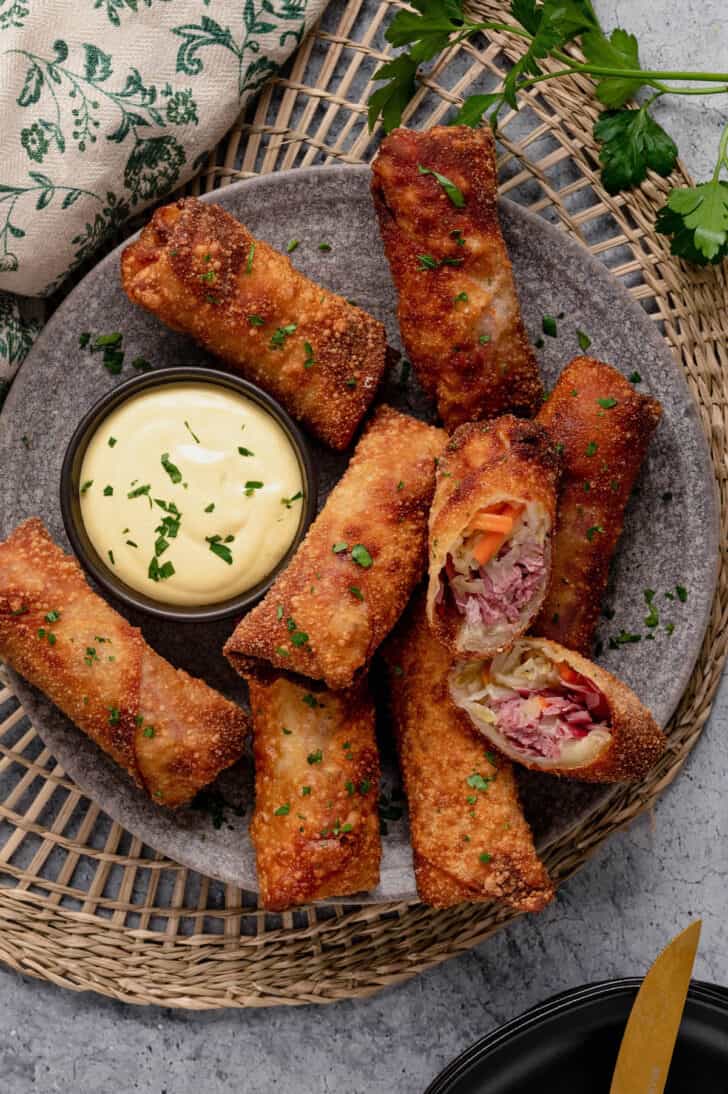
(631, 141)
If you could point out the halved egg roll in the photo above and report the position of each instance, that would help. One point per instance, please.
(490, 534)
(435, 193)
(351, 577)
(552, 710)
(315, 828)
(202, 272)
(603, 427)
(470, 839)
(172, 733)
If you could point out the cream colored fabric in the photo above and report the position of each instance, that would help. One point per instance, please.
(105, 107)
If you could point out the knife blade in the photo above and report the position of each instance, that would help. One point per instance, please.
(649, 1038)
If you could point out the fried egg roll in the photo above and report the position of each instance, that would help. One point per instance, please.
(602, 426)
(490, 534)
(172, 733)
(315, 828)
(202, 272)
(435, 193)
(552, 710)
(351, 577)
(470, 839)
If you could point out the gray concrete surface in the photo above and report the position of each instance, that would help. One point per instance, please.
(608, 921)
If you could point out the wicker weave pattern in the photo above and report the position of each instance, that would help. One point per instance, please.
(84, 903)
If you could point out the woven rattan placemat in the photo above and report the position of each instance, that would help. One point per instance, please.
(84, 903)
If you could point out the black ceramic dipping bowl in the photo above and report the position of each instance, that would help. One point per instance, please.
(71, 505)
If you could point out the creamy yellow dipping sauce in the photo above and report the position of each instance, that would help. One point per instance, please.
(191, 493)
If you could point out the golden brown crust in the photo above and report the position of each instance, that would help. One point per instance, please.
(381, 502)
(604, 447)
(190, 266)
(636, 741)
(439, 755)
(172, 733)
(316, 774)
(470, 379)
(505, 457)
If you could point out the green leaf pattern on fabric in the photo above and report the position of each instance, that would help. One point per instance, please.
(116, 104)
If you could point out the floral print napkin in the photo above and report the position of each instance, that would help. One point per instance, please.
(105, 107)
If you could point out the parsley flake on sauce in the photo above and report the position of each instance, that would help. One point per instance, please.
(288, 502)
(108, 491)
(245, 451)
(172, 470)
(218, 548)
(251, 486)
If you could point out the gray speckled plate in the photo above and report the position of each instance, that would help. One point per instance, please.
(668, 540)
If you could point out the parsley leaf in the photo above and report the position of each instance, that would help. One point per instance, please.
(620, 50)
(697, 219)
(631, 142)
(389, 101)
(475, 106)
(453, 192)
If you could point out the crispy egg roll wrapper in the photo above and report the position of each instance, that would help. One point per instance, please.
(484, 465)
(471, 354)
(172, 733)
(470, 839)
(315, 828)
(623, 745)
(326, 613)
(603, 450)
(202, 272)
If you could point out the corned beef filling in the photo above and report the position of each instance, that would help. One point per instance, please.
(498, 591)
(539, 722)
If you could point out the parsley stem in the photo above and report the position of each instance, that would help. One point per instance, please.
(722, 154)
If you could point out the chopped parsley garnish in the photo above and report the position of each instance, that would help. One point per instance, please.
(653, 616)
(208, 275)
(251, 486)
(583, 339)
(484, 857)
(52, 617)
(461, 297)
(172, 470)
(682, 593)
(251, 256)
(324, 247)
(279, 612)
(349, 788)
(477, 782)
(591, 448)
(361, 556)
(111, 557)
(614, 485)
(596, 529)
(309, 360)
(351, 382)
(141, 363)
(282, 810)
(365, 786)
(634, 378)
(453, 192)
(670, 627)
(22, 610)
(400, 485)
(286, 732)
(282, 651)
(548, 326)
(311, 701)
(315, 757)
(484, 339)
(356, 591)
(294, 497)
(114, 716)
(148, 731)
(218, 548)
(191, 432)
(607, 404)
(160, 573)
(245, 451)
(256, 321)
(87, 485)
(292, 244)
(278, 338)
(305, 791)
(339, 547)
(102, 341)
(458, 236)
(539, 342)
(111, 442)
(108, 491)
(624, 638)
(210, 508)
(427, 262)
(84, 339)
(140, 491)
(131, 543)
